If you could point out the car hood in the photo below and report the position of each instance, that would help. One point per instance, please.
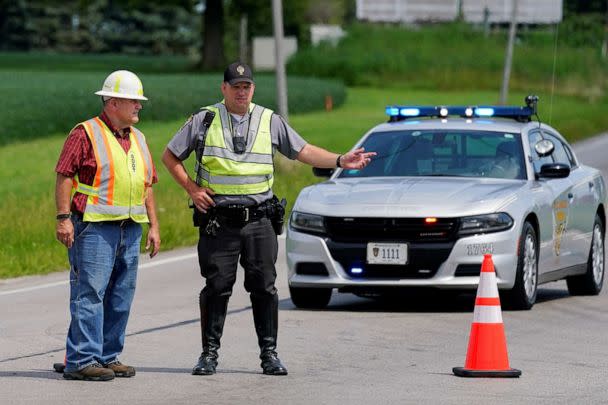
(408, 196)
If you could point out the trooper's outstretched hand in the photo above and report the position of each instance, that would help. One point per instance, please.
(356, 159)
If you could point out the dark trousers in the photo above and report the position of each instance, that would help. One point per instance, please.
(255, 246)
(254, 243)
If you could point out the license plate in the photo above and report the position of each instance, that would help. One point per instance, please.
(386, 253)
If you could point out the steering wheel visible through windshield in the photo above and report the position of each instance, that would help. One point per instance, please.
(443, 153)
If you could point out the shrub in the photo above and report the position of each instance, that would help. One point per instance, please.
(454, 57)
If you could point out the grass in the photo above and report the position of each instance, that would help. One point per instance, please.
(27, 199)
(37, 104)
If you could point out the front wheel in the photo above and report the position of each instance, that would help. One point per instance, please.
(591, 282)
(310, 298)
(523, 294)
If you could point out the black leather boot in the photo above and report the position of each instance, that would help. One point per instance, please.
(266, 318)
(213, 314)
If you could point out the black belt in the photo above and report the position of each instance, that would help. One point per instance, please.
(240, 213)
(120, 222)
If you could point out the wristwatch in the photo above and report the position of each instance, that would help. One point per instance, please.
(62, 216)
(338, 161)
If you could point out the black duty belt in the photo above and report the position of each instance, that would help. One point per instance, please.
(240, 213)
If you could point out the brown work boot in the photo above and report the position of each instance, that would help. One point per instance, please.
(121, 370)
(94, 372)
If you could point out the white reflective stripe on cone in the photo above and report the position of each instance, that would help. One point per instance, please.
(487, 314)
(487, 285)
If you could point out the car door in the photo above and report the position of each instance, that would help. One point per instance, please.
(555, 250)
(582, 201)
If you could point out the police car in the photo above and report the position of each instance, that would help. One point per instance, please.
(448, 185)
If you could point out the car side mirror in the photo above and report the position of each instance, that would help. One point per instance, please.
(317, 171)
(554, 171)
(544, 147)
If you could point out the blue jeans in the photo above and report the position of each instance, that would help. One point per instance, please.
(103, 271)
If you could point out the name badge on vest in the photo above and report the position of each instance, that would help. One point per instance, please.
(132, 161)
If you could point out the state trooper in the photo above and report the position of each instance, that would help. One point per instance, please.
(235, 198)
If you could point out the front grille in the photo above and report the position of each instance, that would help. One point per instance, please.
(424, 260)
(363, 230)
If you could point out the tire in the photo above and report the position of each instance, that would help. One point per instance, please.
(523, 294)
(310, 298)
(591, 282)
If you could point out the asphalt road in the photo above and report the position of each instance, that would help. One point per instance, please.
(357, 351)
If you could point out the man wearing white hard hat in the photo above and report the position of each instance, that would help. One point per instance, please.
(103, 195)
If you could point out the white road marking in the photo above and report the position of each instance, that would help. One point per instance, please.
(58, 283)
(38, 287)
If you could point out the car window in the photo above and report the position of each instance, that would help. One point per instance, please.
(559, 153)
(562, 153)
(571, 157)
(537, 161)
(443, 153)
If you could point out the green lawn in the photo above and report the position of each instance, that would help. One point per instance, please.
(27, 190)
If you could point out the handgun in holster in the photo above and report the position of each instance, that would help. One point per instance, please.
(277, 216)
(200, 218)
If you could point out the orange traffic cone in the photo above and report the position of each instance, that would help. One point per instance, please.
(487, 353)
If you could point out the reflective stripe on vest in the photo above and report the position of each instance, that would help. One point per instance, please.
(121, 179)
(227, 172)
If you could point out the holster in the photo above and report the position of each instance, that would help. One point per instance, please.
(277, 214)
(199, 219)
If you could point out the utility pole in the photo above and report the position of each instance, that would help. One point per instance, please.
(504, 91)
(605, 42)
(460, 13)
(486, 22)
(277, 18)
(243, 48)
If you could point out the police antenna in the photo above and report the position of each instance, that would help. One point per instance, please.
(553, 75)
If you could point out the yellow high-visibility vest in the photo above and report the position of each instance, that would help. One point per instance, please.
(227, 172)
(119, 188)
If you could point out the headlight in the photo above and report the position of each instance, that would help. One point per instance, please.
(485, 223)
(307, 222)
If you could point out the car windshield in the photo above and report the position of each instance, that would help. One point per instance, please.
(443, 153)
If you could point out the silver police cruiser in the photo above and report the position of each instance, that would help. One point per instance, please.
(448, 185)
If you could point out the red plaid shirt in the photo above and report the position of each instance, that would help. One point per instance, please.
(77, 157)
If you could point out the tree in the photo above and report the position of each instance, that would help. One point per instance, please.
(14, 33)
(585, 6)
(212, 52)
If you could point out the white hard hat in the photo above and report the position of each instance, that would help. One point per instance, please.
(122, 84)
